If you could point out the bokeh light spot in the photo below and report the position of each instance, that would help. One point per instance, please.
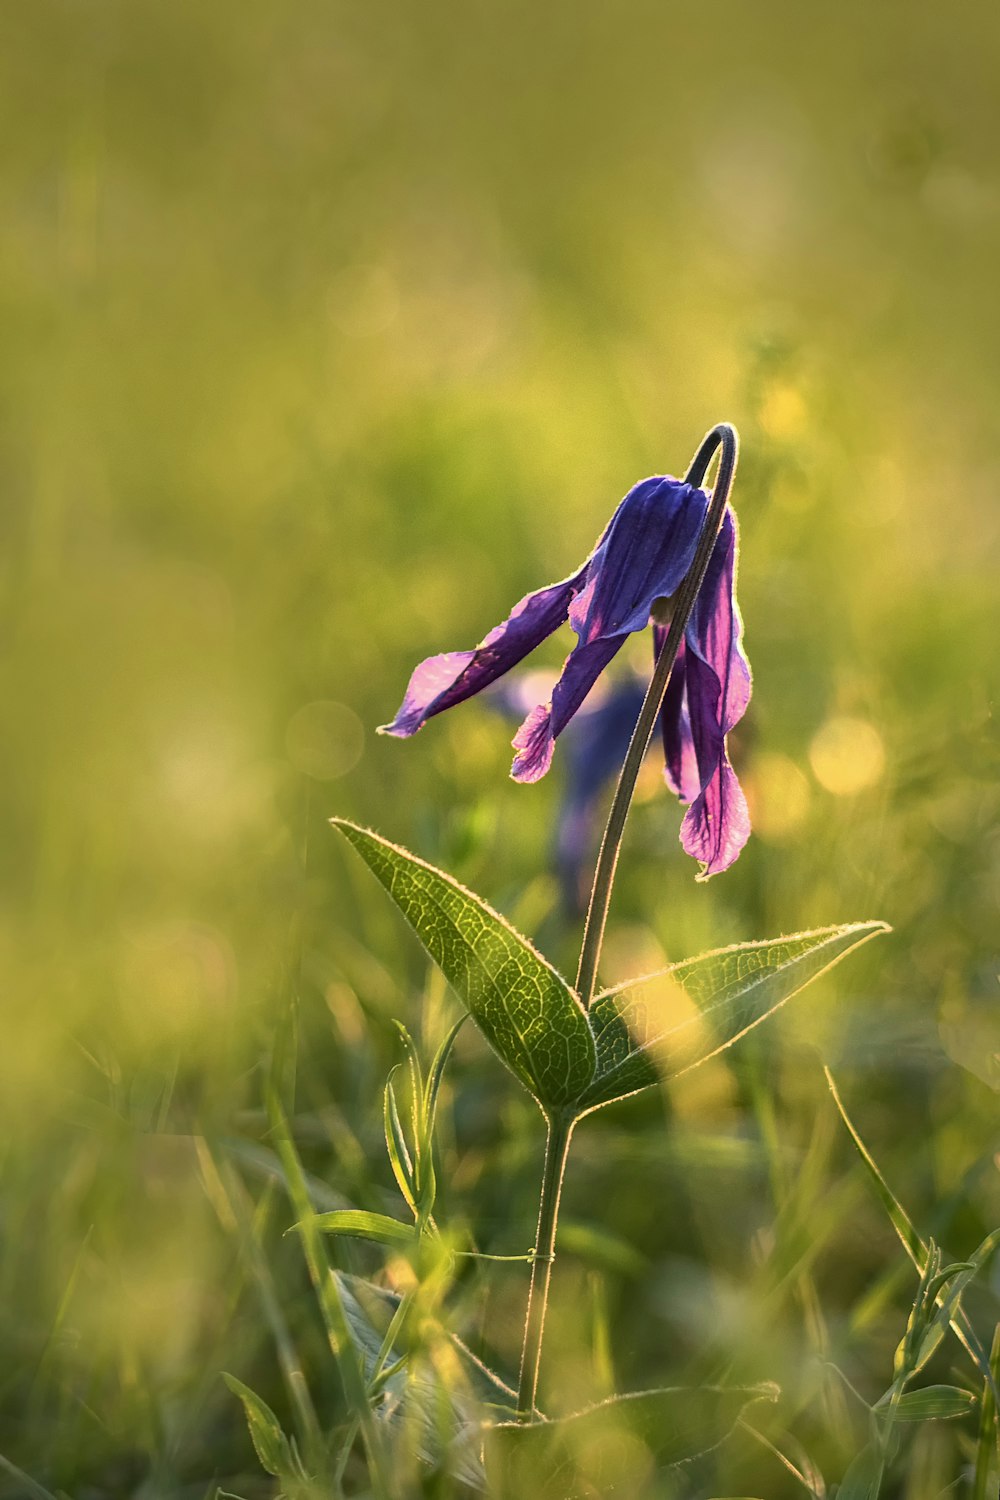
(783, 413)
(173, 978)
(324, 740)
(779, 795)
(847, 755)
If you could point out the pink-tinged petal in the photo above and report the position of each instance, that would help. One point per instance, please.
(680, 762)
(715, 629)
(536, 737)
(717, 824)
(442, 681)
(431, 681)
(534, 743)
(717, 691)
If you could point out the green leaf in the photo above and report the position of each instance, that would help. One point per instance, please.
(361, 1226)
(658, 1027)
(863, 1479)
(369, 1310)
(395, 1141)
(941, 1280)
(438, 1415)
(528, 1013)
(435, 1076)
(425, 1179)
(612, 1447)
(269, 1441)
(939, 1401)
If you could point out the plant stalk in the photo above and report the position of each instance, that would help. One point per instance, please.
(556, 1150)
(560, 1125)
(723, 436)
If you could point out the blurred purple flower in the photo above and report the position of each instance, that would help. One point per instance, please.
(593, 748)
(641, 558)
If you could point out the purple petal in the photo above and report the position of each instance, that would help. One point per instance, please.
(536, 737)
(642, 556)
(681, 769)
(717, 824)
(715, 630)
(717, 690)
(442, 681)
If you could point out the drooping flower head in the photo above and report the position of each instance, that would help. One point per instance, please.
(639, 562)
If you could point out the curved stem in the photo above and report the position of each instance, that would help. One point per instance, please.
(556, 1150)
(723, 436)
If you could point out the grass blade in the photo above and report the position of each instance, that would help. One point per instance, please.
(912, 1243)
(328, 1294)
(230, 1200)
(986, 1482)
(361, 1225)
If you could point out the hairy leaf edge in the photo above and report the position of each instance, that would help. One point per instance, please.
(867, 929)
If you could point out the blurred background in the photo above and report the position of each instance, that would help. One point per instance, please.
(326, 332)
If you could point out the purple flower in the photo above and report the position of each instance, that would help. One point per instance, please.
(593, 748)
(641, 558)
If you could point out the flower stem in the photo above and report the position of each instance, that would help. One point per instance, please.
(560, 1125)
(556, 1150)
(723, 436)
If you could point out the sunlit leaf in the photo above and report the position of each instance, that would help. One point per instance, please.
(270, 1443)
(395, 1141)
(362, 1225)
(526, 1011)
(425, 1180)
(664, 1024)
(937, 1401)
(436, 1074)
(613, 1447)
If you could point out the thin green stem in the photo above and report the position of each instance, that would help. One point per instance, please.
(560, 1126)
(556, 1150)
(723, 436)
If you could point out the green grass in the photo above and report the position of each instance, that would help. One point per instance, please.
(325, 334)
